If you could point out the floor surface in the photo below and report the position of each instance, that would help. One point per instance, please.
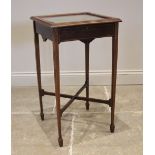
(84, 132)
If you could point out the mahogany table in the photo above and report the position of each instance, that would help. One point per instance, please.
(85, 27)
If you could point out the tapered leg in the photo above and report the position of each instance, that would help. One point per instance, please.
(57, 86)
(37, 55)
(114, 74)
(87, 72)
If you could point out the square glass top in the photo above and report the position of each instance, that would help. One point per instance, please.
(72, 18)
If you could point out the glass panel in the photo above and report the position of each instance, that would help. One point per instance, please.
(71, 18)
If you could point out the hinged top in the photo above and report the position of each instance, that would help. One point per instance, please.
(73, 19)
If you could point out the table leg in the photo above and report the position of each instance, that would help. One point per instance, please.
(114, 74)
(37, 55)
(57, 87)
(87, 72)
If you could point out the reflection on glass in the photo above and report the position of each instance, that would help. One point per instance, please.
(72, 18)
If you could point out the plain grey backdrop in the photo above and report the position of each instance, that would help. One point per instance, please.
(72, 53)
